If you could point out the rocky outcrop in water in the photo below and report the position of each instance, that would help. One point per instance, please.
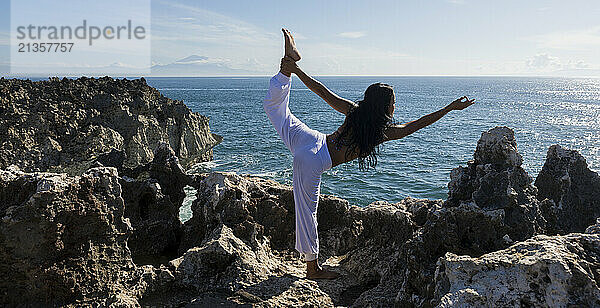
(67, 125)
(483, 246)
(495, 180)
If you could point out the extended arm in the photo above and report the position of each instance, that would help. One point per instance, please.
(403, 130)
(336, 102)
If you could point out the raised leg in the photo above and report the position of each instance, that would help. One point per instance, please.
(290, 46)
(276, 106)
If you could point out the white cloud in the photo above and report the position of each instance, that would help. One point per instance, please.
(582, 39)
(353, 35)
(205, 26)
(580, 65)
(456, 1)
(547, 64)
(248, 47)
(544, 62)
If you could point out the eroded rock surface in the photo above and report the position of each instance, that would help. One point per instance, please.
(240, 241)
(495, 180)
(544, 271)
(574, 189)
(63, 240)
(66, 125)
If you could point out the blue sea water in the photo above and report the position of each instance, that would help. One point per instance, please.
(541, 111)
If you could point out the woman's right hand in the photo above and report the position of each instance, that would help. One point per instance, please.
(289, 65)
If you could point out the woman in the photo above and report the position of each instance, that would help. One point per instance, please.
(368, 124)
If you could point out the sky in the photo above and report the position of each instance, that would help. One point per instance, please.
(391, 37)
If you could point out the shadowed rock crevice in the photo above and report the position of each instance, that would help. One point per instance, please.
(153, 194)
(349, 295)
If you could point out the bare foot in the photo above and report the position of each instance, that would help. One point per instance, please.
(290, 46)
(321, 274)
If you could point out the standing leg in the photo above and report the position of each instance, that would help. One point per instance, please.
(310, 161)
(307, 187)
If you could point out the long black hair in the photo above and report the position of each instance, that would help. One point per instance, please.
(365, 125)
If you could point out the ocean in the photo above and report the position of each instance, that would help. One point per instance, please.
(541, 111)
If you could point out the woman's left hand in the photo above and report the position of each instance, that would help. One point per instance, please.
(289, 65)
(461, 103)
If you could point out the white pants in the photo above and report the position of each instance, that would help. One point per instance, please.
(311, 158)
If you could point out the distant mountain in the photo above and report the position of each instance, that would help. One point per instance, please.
(196, 65)
(192, 58)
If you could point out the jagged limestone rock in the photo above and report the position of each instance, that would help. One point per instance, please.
(495, 180)
(574, 189)
(223, 260)
(63, 240)
(65, 125)
(544, 271)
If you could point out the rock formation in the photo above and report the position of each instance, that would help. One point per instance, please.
(63, 240)
(67, 125)
(544, 271)
(389, 252)
(574, 189)
(495, 180)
